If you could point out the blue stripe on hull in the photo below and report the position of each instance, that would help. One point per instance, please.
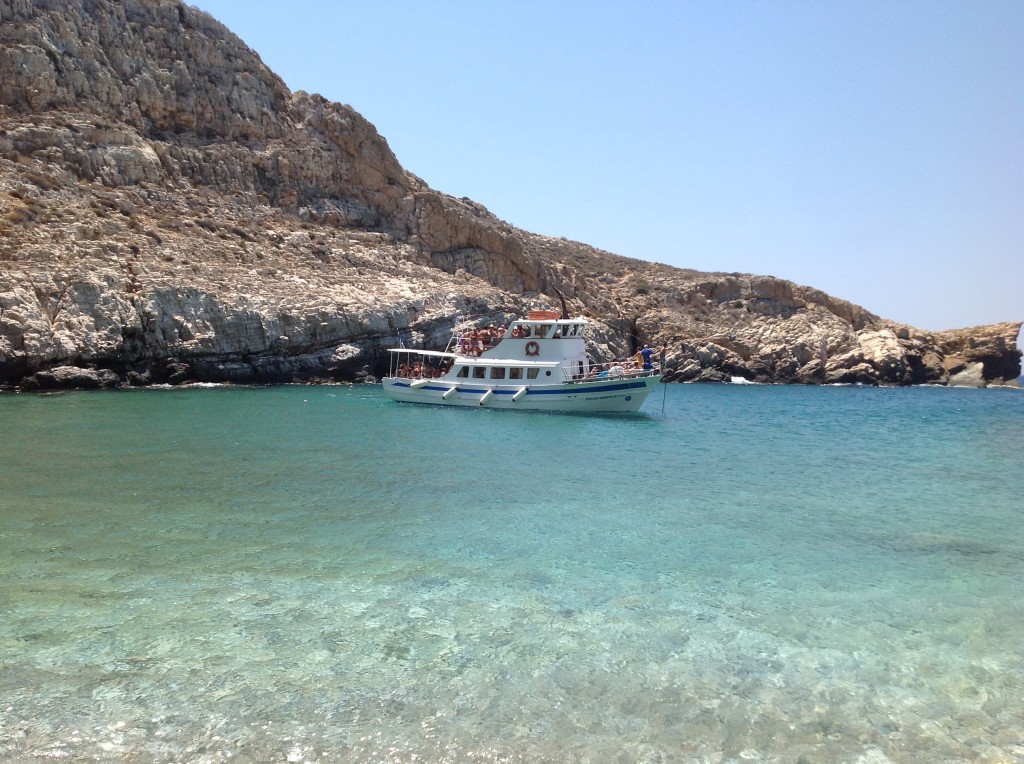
(580, 389)
(538, 390)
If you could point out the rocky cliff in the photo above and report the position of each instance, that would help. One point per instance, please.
(170, 211)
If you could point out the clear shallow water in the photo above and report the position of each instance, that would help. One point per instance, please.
(775, 574)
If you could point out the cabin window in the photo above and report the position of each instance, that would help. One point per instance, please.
(531, 373)
(463, 372)
(497, 372)
(515, 373)
(479, 372)
(541, 331)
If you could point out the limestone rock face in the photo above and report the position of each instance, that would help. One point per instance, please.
(993, 347)
(170, 212)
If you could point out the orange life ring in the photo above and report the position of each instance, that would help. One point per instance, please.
(532, 348)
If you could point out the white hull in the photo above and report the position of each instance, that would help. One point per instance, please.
(611, 396)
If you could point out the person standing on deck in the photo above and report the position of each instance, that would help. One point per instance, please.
(647, 353)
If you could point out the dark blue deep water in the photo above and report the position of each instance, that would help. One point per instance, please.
(317, 574)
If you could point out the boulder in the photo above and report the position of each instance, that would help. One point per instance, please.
(69, 378)
(969, 375)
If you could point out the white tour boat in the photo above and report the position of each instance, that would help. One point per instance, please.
(537, 363)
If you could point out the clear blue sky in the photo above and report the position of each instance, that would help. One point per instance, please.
(872, 149)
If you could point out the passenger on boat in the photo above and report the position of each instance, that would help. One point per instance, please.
(647, 352)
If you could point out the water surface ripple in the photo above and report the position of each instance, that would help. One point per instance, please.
(754, 574)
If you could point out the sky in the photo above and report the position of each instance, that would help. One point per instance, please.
(872, 149)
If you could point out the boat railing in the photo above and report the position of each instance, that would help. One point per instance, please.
(409, 363)
(473, 342)
(418, 372)
(619, 369)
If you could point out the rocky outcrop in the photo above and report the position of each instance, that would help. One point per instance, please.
(981, 355)
(169, 212)
(63, 377)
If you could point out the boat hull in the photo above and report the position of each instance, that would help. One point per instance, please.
(613, 396)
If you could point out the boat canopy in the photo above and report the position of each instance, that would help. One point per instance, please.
(432, 353)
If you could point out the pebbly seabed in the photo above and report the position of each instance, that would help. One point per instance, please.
(754, 573)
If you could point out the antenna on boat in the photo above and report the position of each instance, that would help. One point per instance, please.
(565, 309)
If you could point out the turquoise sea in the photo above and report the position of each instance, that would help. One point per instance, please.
(318, 574)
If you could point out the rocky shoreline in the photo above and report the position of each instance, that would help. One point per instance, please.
(170, 212)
